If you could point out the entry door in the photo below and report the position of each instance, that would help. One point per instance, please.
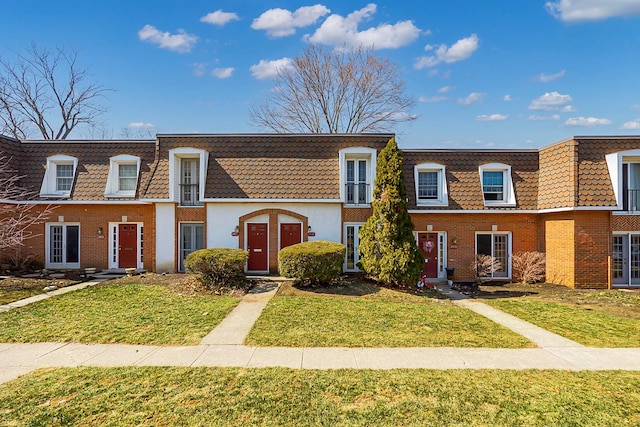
(127, 245)
(428, 243)
(290, 234)
(257, 244)
(620, 260)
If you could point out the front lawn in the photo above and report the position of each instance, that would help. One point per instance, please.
(276, 396)
(132, 314)
(581, 324)
(7, 296)
(374, 318)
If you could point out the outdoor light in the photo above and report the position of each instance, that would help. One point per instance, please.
(237, 229)
(99, 231)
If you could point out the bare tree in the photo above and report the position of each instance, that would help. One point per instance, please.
(484, 266)
(339, 91)
(46, 92)
(529, 267)
(17, 216)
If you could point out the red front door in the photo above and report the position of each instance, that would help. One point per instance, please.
(257, 240)
(127, 245)
(428, 244)
(290, 234)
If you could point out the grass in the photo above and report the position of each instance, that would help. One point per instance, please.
(300, 321)
(585, 326)
(7, 296)
(132, 314)
(277, 396)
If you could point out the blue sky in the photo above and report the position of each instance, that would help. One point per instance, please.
(486, 74)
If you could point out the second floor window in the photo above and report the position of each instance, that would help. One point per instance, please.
(64, 177)
(127, 177)
(428, 185)
(357, 185)
(493, 185)
(190, 182)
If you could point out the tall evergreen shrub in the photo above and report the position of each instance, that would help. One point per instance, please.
(388, 250)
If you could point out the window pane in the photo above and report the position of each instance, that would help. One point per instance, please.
(428, 185)
(73, 249)
(483, 244)
(362, 171)
(493, 185)
(55, 244)
(64, 177)
(351, 173)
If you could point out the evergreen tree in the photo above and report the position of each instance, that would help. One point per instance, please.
(388, 250)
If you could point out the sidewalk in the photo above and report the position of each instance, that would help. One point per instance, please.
(223, 348)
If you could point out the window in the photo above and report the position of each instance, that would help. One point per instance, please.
(191, 240)
(357, 173)
(59, 176)
(189, 182)
(352, 241)
(497, 186)
(187, 175)
(63, 245)
(431, 188)
(357, 185)
(123, 176)
(498, 246)
(631, 186)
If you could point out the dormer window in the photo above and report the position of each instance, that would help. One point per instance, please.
(59, 176)
(357, 172)
(497, 186)
(431, 187)
(187, 171)
(123, 176)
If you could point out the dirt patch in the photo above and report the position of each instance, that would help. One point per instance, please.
(23, 283)
(625, 303)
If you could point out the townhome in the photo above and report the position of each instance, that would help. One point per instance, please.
(147, 204)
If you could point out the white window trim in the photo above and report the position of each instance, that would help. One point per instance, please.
(509, 195)
(49, 184)
(614, 164)
(509, 250)
(174, 169)
(443, 193)
(61, 265)
(113, 181)
(179, 240)
(357, 153)
(114, 258)
(357, 237)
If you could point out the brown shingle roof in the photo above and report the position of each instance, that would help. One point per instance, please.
(463, 177)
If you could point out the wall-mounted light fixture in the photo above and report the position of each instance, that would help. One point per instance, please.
(99, 231)
(309, 228)
(237, 229)
(454, 240)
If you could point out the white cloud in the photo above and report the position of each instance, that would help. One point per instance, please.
(591, 10)
(632, 125)
(545, 78)
(544, 118)
(550, 101)
(587, 121)
(472, 98)
(507, 98)
(491, 117)
(569, 109)
(140, 125)
(282, 22)
(339, 31)
(219, 17)
(459, 51)
(199, 69)
(269, 69)
(181, 42)
(446, 89)
(222, 73)
(432, 99)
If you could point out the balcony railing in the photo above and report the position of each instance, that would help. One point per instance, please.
(632, 200)
(357, 193)
(190, 195)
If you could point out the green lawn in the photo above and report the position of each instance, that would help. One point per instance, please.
(588, 327)
(276, 396)
(7, 296)
(308, 321)
(133, 314)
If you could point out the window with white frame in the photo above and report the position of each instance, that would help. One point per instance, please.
(431, 187)
(352, 242)
(187, 170)
(62, 245)
(497, 246)
(357, 174)
(59, 176)
(123, 176)
(191, 240)
(497, 186)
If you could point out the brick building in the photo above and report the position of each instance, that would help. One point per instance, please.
(147, 204)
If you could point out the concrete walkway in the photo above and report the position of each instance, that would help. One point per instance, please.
(223, 348)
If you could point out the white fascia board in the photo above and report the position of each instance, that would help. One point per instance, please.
(271, 200)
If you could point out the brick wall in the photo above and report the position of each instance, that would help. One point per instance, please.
(463, 227)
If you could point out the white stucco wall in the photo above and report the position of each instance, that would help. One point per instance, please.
(165, 237)
(325, 220)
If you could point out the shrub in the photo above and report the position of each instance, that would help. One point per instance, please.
(529, 267)
(317, 262)
(484, 266)
(218, 267)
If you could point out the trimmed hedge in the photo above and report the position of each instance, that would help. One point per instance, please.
(218, 267)
(313, 262)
